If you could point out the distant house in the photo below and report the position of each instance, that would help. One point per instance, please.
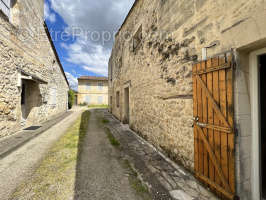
(33, 85)
(93, 90)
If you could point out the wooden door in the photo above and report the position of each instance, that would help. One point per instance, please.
(214, 125)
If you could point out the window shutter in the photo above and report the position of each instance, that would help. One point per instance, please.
(87, 99)
(100, 100)
(88, 86)
(100, 86)
(5, 7)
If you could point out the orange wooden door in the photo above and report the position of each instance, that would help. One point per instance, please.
(214, 125)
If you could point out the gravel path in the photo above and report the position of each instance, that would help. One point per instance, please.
(20, 164)
(100, 176)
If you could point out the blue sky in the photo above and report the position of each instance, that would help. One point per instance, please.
(82, 31)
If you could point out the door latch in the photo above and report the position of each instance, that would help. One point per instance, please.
(195, 119)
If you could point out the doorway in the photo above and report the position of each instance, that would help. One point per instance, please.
(30, 99)
(111, 104)
(126, 106)
(262, 86)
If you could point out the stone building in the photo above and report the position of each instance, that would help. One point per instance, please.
(187, 76)
(93, 90)
(33, 86)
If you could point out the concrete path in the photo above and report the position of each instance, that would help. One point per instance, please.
(20, 164)
(155, 168)
(14, 141)
(100, 176)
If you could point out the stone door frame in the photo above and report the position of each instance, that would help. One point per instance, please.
(255, 124)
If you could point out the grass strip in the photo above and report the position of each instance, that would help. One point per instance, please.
(55, 176)
(97, 106)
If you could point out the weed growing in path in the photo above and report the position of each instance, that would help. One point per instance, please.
(105, 121)
(111, 138)
(135, 183)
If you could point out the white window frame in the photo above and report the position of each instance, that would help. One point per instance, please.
(255, 121)
(5, 7)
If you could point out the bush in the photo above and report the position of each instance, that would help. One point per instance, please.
(71, 98)
(83, 104)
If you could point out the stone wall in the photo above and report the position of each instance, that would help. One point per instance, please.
(25, 45)
(159, 70)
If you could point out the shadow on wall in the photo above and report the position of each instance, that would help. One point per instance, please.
(30, 97)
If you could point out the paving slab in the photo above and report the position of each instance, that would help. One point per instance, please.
(166, 179)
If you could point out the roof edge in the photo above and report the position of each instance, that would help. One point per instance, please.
(54, 50)
(130, 11)
(94, 78)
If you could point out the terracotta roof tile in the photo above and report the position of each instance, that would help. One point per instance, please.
(96, 78)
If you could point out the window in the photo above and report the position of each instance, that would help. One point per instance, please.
(100, 100)
(53, 94)
(100, 86)
(137, 38)
(117, 99)
(87, 99)
(5, 7)
(88, 86)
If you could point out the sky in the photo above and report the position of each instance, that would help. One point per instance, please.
(83, 33)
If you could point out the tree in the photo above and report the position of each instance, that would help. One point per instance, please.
(71, 98)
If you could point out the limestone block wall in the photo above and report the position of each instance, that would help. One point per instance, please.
(159, 71)
(25, 45)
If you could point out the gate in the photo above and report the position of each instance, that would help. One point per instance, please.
(214, 124)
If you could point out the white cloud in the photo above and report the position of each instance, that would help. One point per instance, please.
(48, 15)
(63, 45)
(91, 16)
(99, 71)
(93, 58)
(73, 81)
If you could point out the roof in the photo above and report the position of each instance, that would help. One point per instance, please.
(94, 78)
(130, 11)
(55, 52)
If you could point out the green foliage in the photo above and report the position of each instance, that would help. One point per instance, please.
(83, 104)
(111, 138)
(71, 98)
(98, 106)
(105, 121)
